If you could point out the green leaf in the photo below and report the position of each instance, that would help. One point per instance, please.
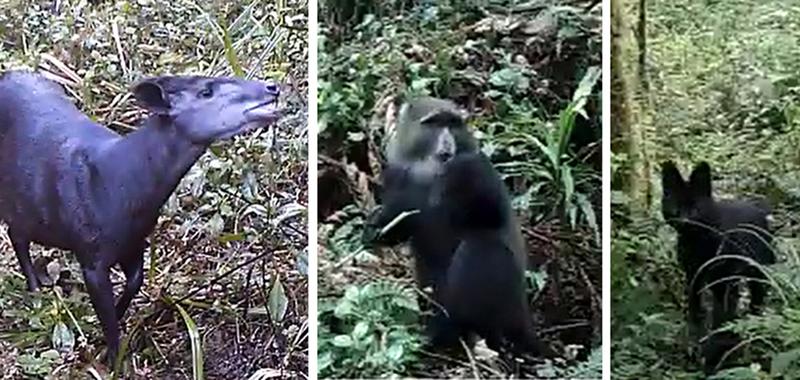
(63, 338)
(227, 238)
(361, 330)
(196, 342)
(230, 54)
(591, 218)
(587, 83)
(258, 310)
(509, 78)
(342, 341)
(216, 225)
(302, 262)
(343, 309)
(782, 361)
(278, 303)
(395, 352)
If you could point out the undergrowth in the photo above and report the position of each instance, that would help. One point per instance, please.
(530, 78)
(724, 89)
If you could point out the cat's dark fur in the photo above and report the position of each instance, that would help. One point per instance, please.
(708, 228)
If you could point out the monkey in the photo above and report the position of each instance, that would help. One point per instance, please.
(456, 245)
(429, 132)
(484, 288)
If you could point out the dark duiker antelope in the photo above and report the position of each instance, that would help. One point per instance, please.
(708, 228)
(69, 183)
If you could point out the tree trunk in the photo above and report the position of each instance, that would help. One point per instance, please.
(626, 130)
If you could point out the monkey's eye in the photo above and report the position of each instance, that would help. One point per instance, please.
(206, 92)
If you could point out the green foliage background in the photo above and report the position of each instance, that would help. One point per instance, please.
(724, 88)
(529, 75)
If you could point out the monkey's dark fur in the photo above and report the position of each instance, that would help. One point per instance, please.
(484, 290)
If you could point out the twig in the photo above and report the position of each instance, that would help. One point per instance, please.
(592, 293)
(553, 329)
(472, 363)
(226, 274)
(494, 372)
(115, 33)
(538, 236)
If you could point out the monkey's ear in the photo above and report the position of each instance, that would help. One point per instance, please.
(444, 117)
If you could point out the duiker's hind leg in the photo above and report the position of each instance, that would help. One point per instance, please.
(523, 338)
(21, 246)
(133, 267)
(444, 331)
(719, 351)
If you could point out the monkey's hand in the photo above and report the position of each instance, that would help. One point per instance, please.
(372, 228)
(379, 229)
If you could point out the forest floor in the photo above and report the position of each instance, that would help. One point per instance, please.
(230, 248)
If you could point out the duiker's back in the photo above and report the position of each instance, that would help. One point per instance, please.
(32, 106)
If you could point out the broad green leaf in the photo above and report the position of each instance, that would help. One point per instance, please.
(361, 330)
(783, 361)
(278, 303)
(342, 341)
(63, 339)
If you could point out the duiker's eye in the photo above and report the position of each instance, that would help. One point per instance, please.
(206, 92)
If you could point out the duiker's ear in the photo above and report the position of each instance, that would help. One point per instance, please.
(671, 179)
(700, 180)
(151, 95)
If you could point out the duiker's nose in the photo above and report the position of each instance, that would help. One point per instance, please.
(272, 88)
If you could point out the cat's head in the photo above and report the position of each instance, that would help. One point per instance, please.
(687, 202)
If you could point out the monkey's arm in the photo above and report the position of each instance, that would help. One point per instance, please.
(400, 194)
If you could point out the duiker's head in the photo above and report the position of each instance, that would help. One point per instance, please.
(205, 109)
(686, 201)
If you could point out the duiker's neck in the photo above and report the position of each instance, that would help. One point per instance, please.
(150, 163)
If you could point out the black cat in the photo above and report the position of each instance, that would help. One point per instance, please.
(708, 228)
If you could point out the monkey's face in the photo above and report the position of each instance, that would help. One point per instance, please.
(438, 145)
(440, 137)
(429, 133)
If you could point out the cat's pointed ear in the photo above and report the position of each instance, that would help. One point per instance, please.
(700, 180)
(671, 180)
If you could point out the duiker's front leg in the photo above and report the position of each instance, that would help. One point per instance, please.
(101, 292)
(133, 266)
(21, 246)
